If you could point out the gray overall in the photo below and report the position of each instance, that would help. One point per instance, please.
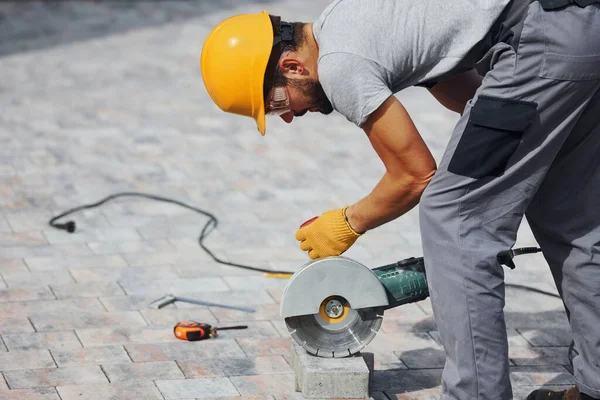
(528, 143)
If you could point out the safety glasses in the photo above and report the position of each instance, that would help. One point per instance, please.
(278, 100)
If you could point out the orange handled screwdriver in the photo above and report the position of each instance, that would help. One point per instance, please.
(193, 331)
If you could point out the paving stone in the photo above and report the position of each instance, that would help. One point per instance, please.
(547, 337)
(28, 308)
(17, 265)
(169, 317)
(258, 347)
(18, 252)
(28, 279)
(245, 366)
(24, 294)
(165, 258)
(130, 246)
(406, 380)
(114, 336)
(92, 355)
(318, 377)
(544, 375)
(263, 312)
(100, 274)
(29, 394)
(22, 360)
(133, 302)
(66, 340)
(60, 263)
(92, 235)
(85, 320)
(134, 390)
(244, 298)
(423, 358)
(423, 394)
(254, 282)
(539, 355)
(256, 329)
(26, 379)
(32, 238)
(87, 289)
(264, 384)
(196, 388)
(206, 268)
(174, 286)
(149, 371)
(184, 351)
(14, 325)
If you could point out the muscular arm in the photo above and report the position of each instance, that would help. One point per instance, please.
(409, 167)
(456, 91)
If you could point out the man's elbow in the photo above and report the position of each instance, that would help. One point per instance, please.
(420, 181)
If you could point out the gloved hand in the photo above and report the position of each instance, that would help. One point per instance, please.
(328, 235)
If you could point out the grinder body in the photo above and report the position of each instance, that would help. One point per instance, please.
(404, 281)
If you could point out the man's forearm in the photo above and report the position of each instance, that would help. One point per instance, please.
(391, 198)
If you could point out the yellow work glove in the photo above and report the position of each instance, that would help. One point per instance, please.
(328, 235)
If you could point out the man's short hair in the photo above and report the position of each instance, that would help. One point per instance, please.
(272, 75)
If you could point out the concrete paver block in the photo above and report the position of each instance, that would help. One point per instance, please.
(329, 378)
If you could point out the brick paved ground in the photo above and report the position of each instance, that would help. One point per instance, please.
(97, 98)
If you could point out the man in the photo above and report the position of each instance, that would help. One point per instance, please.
(524, 75)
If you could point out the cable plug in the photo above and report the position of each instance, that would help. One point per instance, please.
(68, 226)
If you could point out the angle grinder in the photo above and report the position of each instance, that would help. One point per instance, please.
(334, 306)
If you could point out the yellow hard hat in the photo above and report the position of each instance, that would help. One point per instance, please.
(233, 63)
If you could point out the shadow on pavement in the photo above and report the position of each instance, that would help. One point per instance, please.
(27, 26)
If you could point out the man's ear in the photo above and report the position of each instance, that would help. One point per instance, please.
(290, 65)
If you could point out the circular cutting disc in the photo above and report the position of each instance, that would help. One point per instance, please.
(327, 338)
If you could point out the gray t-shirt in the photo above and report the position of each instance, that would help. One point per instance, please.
(370, 49)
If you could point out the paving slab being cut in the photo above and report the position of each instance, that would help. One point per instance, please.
(331, 378)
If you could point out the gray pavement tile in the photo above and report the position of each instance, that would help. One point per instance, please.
(36, 220)
(184, 351)
(256, 329)
(170, 316)
(116, 336)
(148, 371)
(91, 356)
(12, 266)
(92, 235)
(418, 394)
(81, 375)
(261, 347)
(31, 238)
(243, 298)
(165, 258)
(101, 274)
(538, 355)
(264, 384)
(71, 250)
(391, 380)
(24, 360)
(133, 302)
(130, 246)
(203, 269)
(423, 358)
(540, 375)
(245, 366)
(254, 282)
(196, 388)
(24, 294)
(37, 279)
(14, 325)
(87, 289)
(134, 390)
(262, 312)
(83, 320)
(85, 261)
(547, 336)
(27, 308)
(46, 393)
(174, 286)
(65, 340)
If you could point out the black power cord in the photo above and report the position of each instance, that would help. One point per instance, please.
(211, 224)
(70, 226)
